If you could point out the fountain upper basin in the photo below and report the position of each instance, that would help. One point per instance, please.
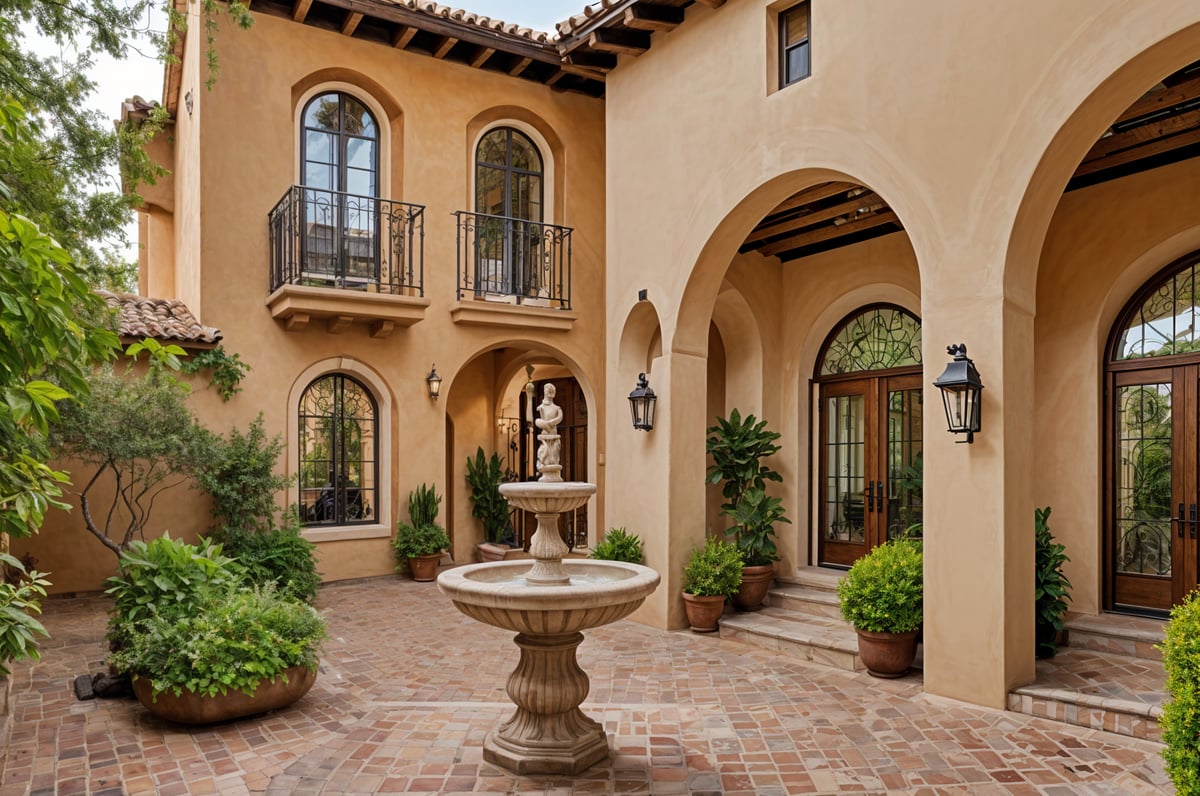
(497, 594)
(548, 497)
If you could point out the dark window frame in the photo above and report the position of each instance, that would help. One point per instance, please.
(339, 498)
(510, 172)
(785, 49)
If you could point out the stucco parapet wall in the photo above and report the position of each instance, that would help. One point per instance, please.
(298, 305)
(162, 319)
(512, 316)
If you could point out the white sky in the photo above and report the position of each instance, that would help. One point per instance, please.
(143, 74)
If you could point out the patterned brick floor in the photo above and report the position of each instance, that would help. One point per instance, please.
(409, 687)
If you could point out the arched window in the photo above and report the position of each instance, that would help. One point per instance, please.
(339, 168)
(509, 234)
(869, 419)
(1153, 471)
(339, 452)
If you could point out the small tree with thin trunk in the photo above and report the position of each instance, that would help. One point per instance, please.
(137, 436)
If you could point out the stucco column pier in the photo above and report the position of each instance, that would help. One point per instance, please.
(979, 551)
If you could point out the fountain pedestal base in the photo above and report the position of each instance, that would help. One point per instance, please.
(548, 733)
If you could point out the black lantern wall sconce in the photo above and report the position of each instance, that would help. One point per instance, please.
(434, 382)
(961, 393)
(642, 403)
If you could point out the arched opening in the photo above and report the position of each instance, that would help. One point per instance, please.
(869, 439)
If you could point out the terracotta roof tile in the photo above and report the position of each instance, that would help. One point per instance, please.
(162, 319)
(573, 23)
(478, 20)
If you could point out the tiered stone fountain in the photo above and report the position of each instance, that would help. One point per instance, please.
(548, 603)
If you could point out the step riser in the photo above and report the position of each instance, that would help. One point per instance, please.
(800, 604)
(1121, 723)
(837, 659)
(1102, 642)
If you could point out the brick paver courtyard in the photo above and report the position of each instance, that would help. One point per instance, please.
(409, 687)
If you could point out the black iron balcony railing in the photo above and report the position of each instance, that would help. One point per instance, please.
(529, 261)
(332, 239)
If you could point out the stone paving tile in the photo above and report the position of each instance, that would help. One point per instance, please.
(409, 688)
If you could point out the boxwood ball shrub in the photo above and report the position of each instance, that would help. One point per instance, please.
(883, 591)
(619, 545)
(1180, 719)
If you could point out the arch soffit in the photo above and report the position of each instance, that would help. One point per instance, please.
(1100, 100)
(637, 333)
(842, 158)
(585, 383)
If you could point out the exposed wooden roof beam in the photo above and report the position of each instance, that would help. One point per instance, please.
(300, 9)
(481, 56)
(520, 66)
(711, 3)
(602, 62)
(813, 194)
(1161, 100)
(830, 232)
(648, 17)
(403, 37)
(1137, 153)
(815, 217)
(1143, 133)
(446, 45)
(557, 76)
(621, 42)
(351, 23)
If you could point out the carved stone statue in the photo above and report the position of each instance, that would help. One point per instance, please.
(550, 415)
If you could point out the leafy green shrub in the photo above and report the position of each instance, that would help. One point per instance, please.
(165, 578)
(737, 447)
(227, 371)
(883, 591)
(241, 479)
(279, 556)
(485, 476)
(1180, 720)
(714, 570)
(413, 541)
(18, 603)
(619, 545)
(231, 640)
(1052, 590)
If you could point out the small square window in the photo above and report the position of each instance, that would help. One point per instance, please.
(794, 62)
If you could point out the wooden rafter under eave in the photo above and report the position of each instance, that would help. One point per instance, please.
(815, 217)
(1133, 154)
(520, 66)
(351, 23)
(403, 37)
(482, 55)
(621, 42)
(446, 45)
(652, 18)
(813, 194)
(300, 9)
(711, 3)
(830, 232)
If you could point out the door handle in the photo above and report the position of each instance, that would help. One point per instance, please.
(1179, 521)
(1192, 514)
(870, 490)
(879, 493)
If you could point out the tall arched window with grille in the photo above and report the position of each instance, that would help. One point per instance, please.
(339, 452)
(509, 201)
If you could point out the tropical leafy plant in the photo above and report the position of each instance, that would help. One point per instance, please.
(421, 536)
(737, 447)
(19, 603)
(714, 570)
(231, 640)
(226, 370)
(1180, 720)
(1052, 589)
(423, 505)
(485, 476)
(884, 591)
(619, 545)
(278, 555)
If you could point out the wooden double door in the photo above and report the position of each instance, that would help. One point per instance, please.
(1152, 544)
(869, 463)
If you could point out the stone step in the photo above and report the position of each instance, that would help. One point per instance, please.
(817, 578)
(804, 599)
(819, 639)
(1100, 690)
(1124, 635)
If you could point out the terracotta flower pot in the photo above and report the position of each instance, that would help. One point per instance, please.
(887, 654)
(424, 568)
(191, 708)
(756, 582)
(703, 612)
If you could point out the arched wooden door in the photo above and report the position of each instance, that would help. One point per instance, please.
(869, 433)
(1152, 483)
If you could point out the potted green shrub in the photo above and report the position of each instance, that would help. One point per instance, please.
(491, 508)
(737, 447)
(882, 597)
(1180, 720)
(201, 646)
(419, 544)
(712, 575)
(619, 545)
(1052, 590)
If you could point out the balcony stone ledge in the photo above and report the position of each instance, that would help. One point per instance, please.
(296, 306)
(513, 316)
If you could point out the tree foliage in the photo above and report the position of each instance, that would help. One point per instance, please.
(241, 478)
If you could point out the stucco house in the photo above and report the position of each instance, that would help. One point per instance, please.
(791, 208)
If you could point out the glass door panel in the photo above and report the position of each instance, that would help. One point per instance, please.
(904, 459)
(844, 435)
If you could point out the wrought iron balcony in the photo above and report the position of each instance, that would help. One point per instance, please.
(528, 262)
(338, 240)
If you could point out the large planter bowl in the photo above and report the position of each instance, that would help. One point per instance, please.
(887, 655)
(191, 708)
(703, 613)
(756, 582)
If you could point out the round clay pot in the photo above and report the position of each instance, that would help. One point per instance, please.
(703, 612)
(887, 654)
(190, 708)
(756, 582)
(424, 568)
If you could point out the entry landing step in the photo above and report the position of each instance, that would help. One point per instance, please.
(819, 639)
(1125, 635)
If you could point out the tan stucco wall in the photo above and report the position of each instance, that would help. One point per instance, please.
(952, 134)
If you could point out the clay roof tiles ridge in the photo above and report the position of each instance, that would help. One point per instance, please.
(162, 319)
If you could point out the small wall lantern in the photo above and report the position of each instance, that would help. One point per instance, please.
(642, 402)
(961, 387)
(434, 382)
